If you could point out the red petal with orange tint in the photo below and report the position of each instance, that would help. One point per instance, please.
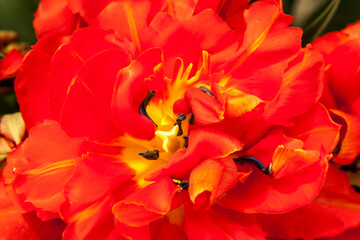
(91, 221)
(343, 71)
(264, 149)
(43, 164)
(132, 86)
(54, 16)
(335, 210)
(236, 102)
(10, 64)
(86, 109)
(300, 90)
(127, 18)
(170, 226)
(31, 85)
(88, 9)
(88, 42)
(219, 38)
(261, 193)
(206, 108)
(350, 144)
(203, 144)
(176, 42)
(64, 67)
(137, 211)
(89, 202)
(316, 130)
(88, 209)
(68, 59)
(220, 223)
(210, 179)
(267, 37)
(16, 225)
(289, 161)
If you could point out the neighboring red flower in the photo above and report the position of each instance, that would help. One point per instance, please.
(10, 64)
(341, 51)
(176, 124)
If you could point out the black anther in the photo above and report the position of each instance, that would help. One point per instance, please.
(181, 117)
(142, 109)
(192, 119)
(150, 155)
(186, 138)
(206, 90)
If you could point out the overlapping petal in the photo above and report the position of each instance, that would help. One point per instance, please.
(10, 64)
(41, 166)
(203, 144)
(55, 16)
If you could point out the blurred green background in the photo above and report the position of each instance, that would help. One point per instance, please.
(17, 15)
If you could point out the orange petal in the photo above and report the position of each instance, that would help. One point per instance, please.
(210, 179)
(289, 161)
(350, 144)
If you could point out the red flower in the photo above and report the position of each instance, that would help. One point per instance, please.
(341, 51)
(174, 123)
(10, 64)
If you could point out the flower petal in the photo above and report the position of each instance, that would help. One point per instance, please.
(131, 88)
(316, 130)
(267, 37)
(220, 223)
(335, 209)
(350, 145)
(137, 211)
(10, 64)
(86, 111)
(206, 108)
(300, 90)
(43, 164)
(261, 193)
(54, 16)
(203, 144)
(210, 179)
(31, 84)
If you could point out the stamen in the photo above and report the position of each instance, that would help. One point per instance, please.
(206, 90)
(150, 155)
(142, 109)
(182, 184)
(186, 138)
(192, 119)
(257, 163)
(171, 143)
(181, 117)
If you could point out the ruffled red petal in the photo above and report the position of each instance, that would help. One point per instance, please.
(203, 144)
(350, 144)
(42, 165)
(55, 16)
(300, 90)
(210, 179)
(335, 210)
